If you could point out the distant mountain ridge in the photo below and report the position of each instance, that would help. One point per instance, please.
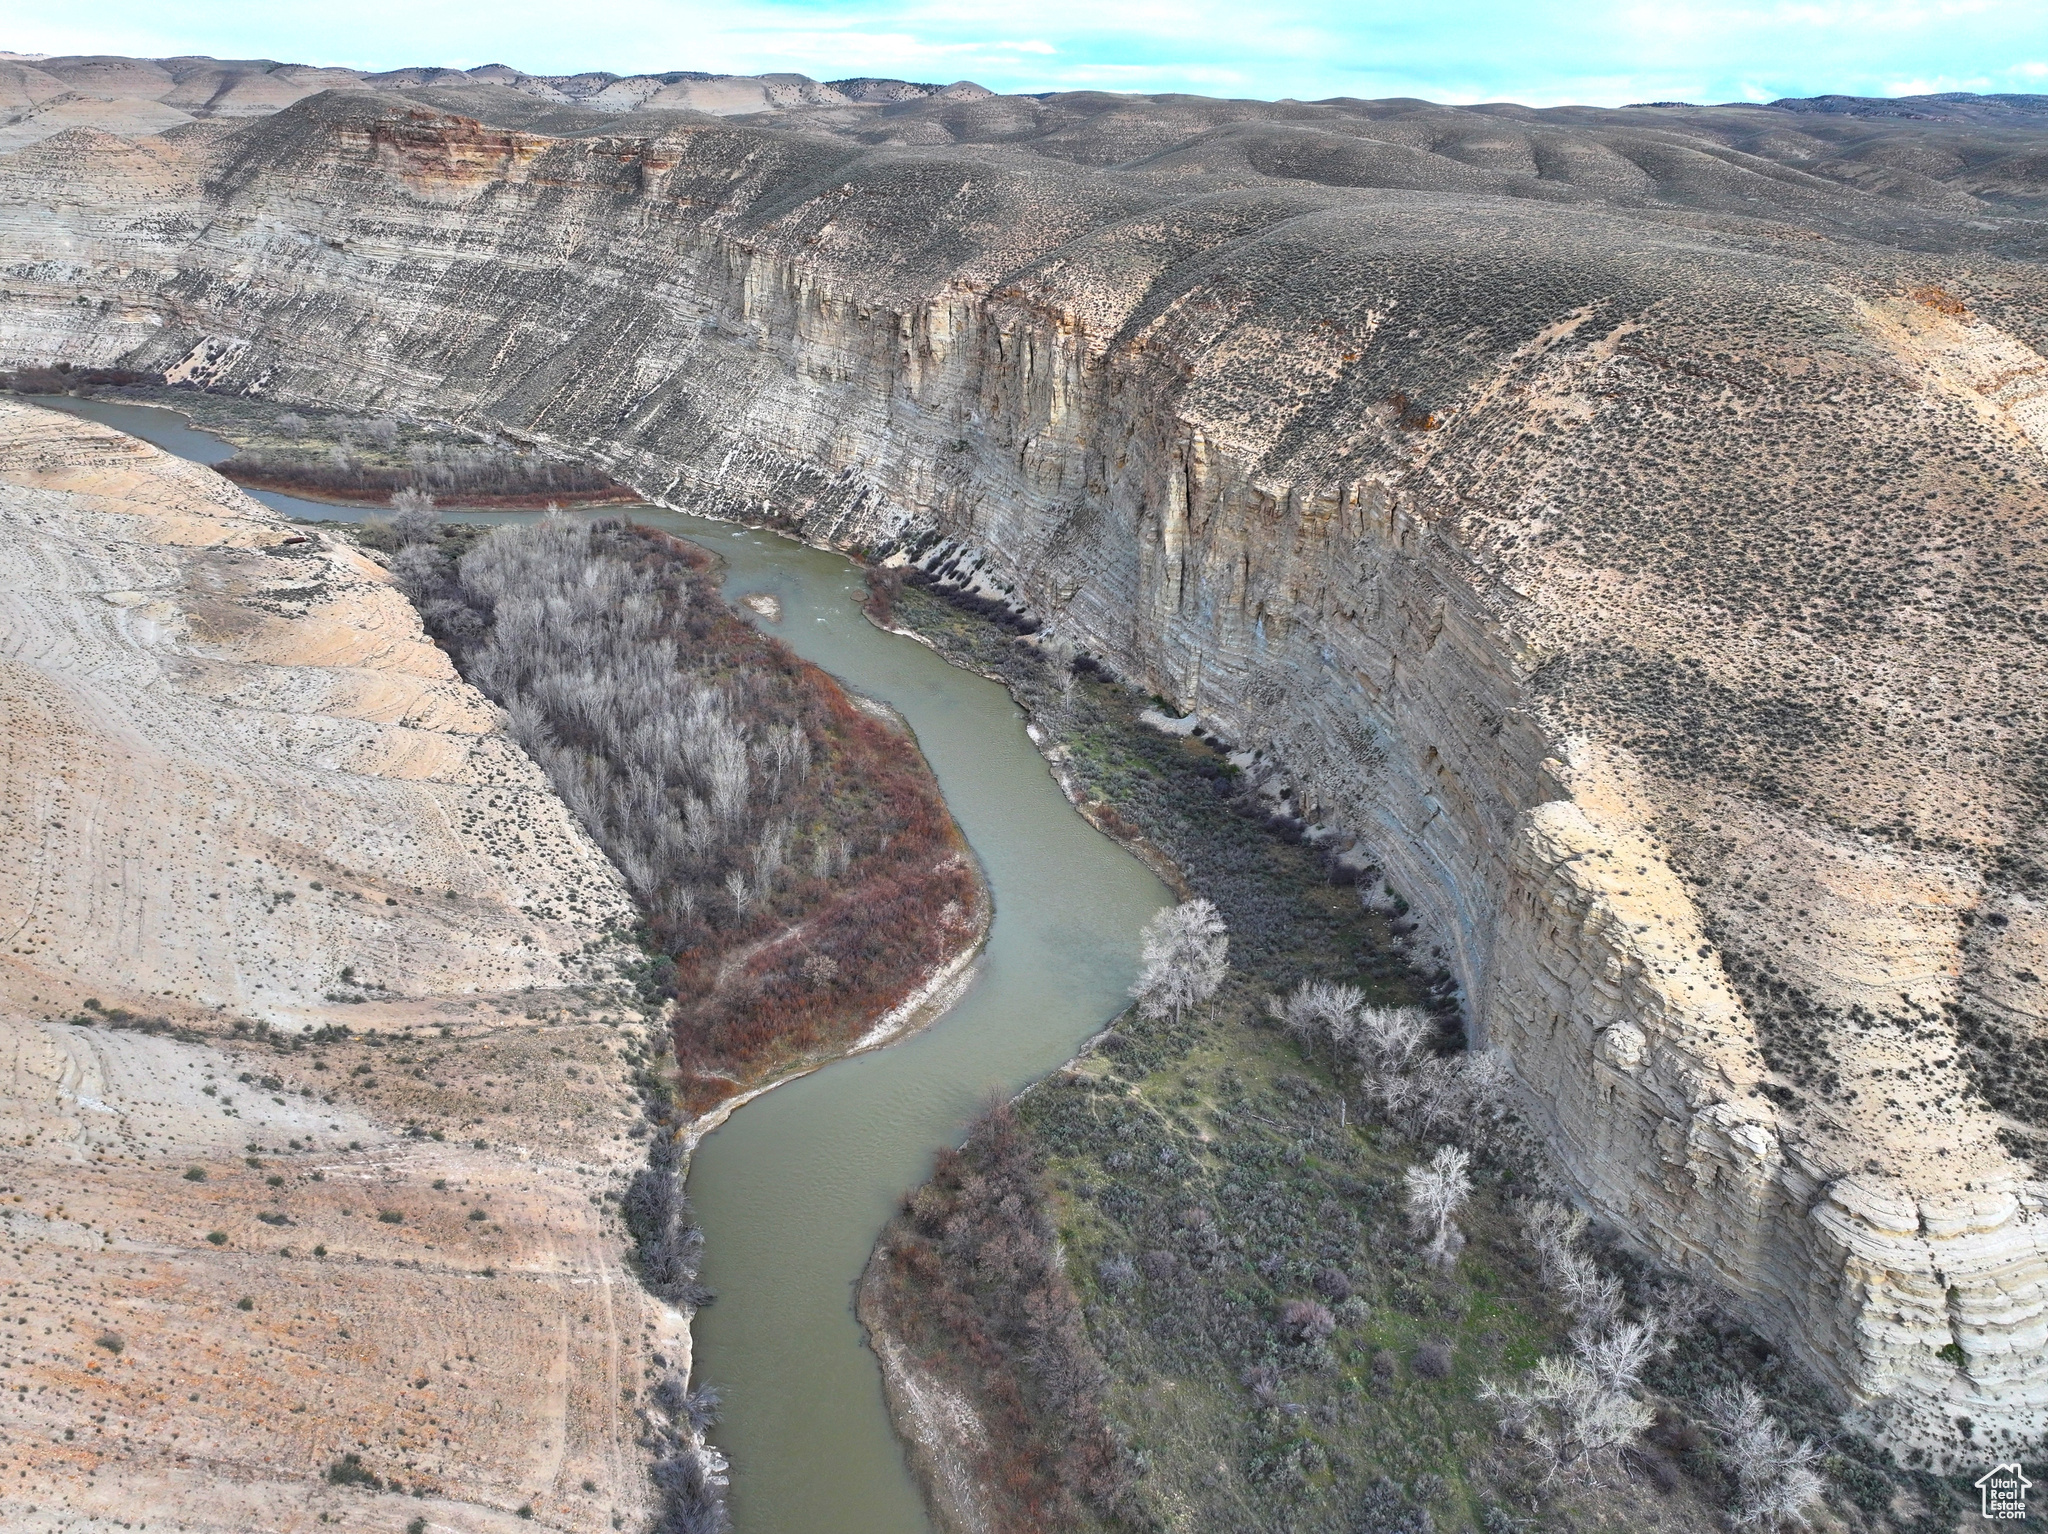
(203, 87)
(208, 87)
(1948, 106)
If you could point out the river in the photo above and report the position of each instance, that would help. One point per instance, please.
(794, 1188)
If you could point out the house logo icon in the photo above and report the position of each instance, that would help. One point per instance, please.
(2004, 1489)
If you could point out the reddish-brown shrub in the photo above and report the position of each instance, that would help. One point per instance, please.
(1305, 1321)
(1940, 300)
(814, 946)
(971, 1282)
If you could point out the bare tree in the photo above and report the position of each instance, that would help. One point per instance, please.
(701, 1407)
(1618, 1357)
(736, 890)
(770, 853)
(413, 516)
(1388, 1038)
(1776, 1483)
(1574, 1420)
(1553, 1230)
(1317, 1011)
(1185, 955)
(420, 569)
(1576, 1411)
(1462, 1096)
(687, 773)
(1436, 1193)
(1059, 654)
(1386, 1048)
(829, 856)
(291, 424)
(1679, 1304)
(1485, 1084)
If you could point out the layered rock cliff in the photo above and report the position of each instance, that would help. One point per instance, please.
(1629, 523)
(44, 96)
(304, 1209)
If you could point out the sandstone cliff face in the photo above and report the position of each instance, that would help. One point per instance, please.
(1600, 513)
(46, 96)
(242, 797)
(236, 768)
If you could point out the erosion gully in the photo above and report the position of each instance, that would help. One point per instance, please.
(793, 1188)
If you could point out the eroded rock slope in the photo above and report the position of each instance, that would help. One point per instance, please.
(1630, 523)
(289, 1171)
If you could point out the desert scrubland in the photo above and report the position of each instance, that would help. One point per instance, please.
(1626, 525)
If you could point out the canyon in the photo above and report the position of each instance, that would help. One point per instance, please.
(1628, 523)
(314, 1010)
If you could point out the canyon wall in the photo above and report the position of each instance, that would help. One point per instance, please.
(303, 1209)
(1631, 526)
(240, 779)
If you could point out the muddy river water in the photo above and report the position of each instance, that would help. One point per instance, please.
(793, 1189)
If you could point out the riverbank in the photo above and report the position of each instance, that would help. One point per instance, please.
(991, 1459)
(377, 497)
(851, 1137)
(790, 1194)
(1177, 1187)
(940, 987)
(898, 1013)
(1099, 813)
(790, 850)
(856, 904)
(791, 958)
(357, 459)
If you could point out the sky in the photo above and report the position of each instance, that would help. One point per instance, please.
(1539, 52)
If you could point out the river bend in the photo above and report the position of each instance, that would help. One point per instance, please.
(794, 1188)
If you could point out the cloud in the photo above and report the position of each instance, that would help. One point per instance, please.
(1937, 86)
(1599, 52)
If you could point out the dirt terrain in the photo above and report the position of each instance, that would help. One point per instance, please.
(317, 1098)
(1628, 524)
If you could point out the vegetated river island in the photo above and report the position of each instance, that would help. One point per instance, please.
(792, 1190)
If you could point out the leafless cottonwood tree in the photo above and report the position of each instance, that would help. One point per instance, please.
(443, 468)
(1436, 1192)
(683, 768)
(1461, 1096)
(413, 516)
(1553, 1232)
(1387, 1042)
(1776, 1482)
(1319, 1009)
(1576, 1420)
(1186, 953)
(1578, 1410)
(688, 1477)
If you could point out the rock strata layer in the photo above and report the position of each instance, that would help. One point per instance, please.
(300, 1209)
(240, 778)
(1629, 523)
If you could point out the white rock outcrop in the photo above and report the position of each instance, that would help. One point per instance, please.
(1647, 581)
(283, 912)
(237, 777)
